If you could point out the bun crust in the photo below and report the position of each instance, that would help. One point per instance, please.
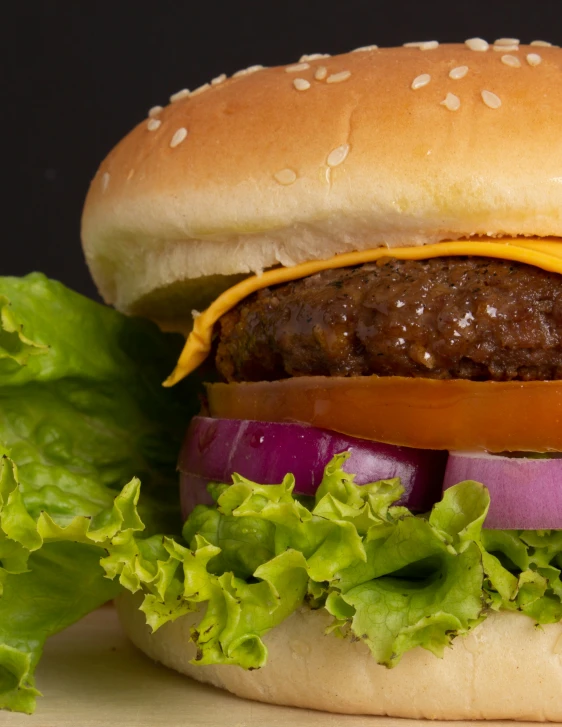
(505, 668)
(270, 174)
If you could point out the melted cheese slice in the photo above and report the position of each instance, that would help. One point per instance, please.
(543, 253)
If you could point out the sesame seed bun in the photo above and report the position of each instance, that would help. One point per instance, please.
(504, 669)
(394, 146)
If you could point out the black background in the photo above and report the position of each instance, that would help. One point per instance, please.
(78, 75)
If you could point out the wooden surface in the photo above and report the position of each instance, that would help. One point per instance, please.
(92, 677)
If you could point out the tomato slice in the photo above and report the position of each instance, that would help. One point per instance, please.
(424, 413)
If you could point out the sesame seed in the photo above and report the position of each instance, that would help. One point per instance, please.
(246, 71)
(337, 155)
(218, 79)
(507, 41)
(451, 102)
(423, 45)
(153, 124)
(503, 48)
(154, 111)
(131, 174)
(542, 43)
(200, 89)
(512, 61)
(285, 176)
(178, 137)
(104, 181)
(321, 73)
(184, 93)
(458, 72)
(313, 57)
(421, 81)
(338, 77)
(301, 84)
(429, 45)
(491, 100)
(297, 67)
(365, 47)
(477, 44)
(533, 59)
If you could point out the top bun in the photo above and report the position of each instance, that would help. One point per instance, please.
(394, 146)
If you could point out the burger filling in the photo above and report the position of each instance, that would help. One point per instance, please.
(453, 317)
(80, 432)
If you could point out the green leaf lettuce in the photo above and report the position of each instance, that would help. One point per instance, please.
(82, 411)
(389, 578)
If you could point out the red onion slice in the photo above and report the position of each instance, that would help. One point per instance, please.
(525, 494)
(264, 452)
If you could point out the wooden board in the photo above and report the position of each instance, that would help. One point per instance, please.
(92, 676)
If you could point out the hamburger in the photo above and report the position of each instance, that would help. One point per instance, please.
(374, 242)
(363, 255)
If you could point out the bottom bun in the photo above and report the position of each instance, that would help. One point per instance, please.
(506, 668)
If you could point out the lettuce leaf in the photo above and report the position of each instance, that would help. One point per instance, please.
(523, 572)
(50, 576)
(82, 411)
(82, 408)
(389, 578)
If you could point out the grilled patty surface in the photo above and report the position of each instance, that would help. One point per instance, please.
(452, 317)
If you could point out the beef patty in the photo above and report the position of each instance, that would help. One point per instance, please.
(456, 317)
